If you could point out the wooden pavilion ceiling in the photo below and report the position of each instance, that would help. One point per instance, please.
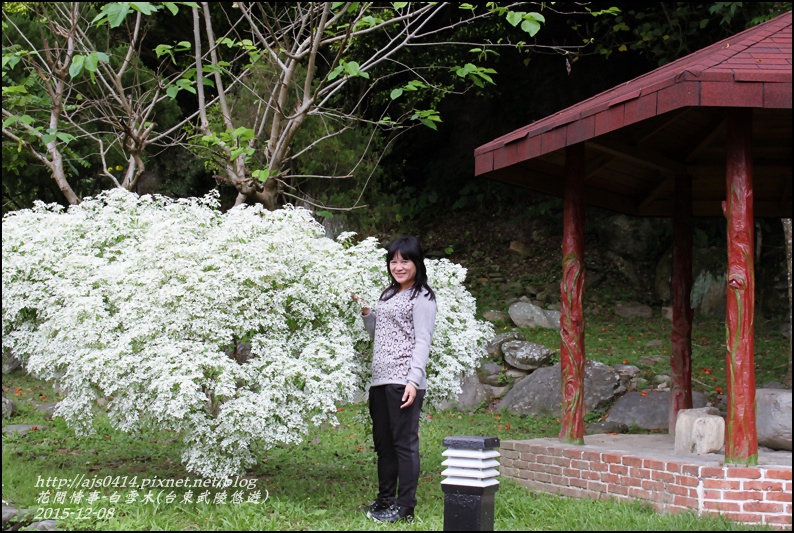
(640, 135)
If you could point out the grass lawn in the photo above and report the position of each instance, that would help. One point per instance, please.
(318, 485)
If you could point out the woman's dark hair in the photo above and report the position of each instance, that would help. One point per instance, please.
(410, 249)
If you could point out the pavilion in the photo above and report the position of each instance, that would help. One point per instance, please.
(706, 135)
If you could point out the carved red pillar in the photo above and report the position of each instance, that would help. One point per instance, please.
(681, 356)
(572, 357)
(741, 439)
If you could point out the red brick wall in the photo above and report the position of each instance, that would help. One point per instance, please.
(754, 495)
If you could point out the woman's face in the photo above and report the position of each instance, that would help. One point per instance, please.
(403, 270)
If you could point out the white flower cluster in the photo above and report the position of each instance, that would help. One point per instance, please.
(234, 329)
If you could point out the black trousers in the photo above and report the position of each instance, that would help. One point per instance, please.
(395, 433)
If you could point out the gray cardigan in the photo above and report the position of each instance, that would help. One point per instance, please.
(402, 328)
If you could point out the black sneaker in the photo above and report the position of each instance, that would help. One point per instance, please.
(393, 514)
(378, 506)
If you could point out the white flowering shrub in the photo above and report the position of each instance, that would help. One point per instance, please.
(148, 302)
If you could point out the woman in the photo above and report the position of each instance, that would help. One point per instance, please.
(402, 327)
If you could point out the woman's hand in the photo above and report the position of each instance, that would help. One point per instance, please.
(364, 310)
(408, 396)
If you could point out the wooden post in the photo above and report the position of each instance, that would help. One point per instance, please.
(681, 356)
(572, 357)
(741, 438)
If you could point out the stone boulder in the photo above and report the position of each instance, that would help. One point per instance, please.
(633, 309)
(629, 376)
(633, 238)
(540, 393)
(699, 431)
(490, 373)
(472, 395)
(525, 355)
(10, 362)
(8, 408)
(773, 418)
(648, 410)
(525, 314)
(494, 346)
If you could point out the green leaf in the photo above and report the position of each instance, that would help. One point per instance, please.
(77, 66)
(13, 119)
(245, 134)
(65, 137)
(146, 8)
(91, 62)
(163, 49)
(531, 27)
(353, 69)
(399, 5)
(172, 91)
(325, 214)
(171, 7)
(515, 17)
(116, 13)
(261, 175)
(396, 93)
(186, 85)
(335, 73)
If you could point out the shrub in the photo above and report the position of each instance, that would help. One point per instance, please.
(144, 301)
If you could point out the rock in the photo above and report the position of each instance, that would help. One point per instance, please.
(516, 374)
(44, 525)
(496, 316)
(10, 362)
(520, 247)
(633, 309)
(526, 314)
(629, 376)
(667, 312)
(472, 395)
(494, 346)
(495, 392)
(8, 514)
(48, 409)
(699, 431)
(773, 418)
(625, 267)
(633, 238)
(525, 355)
(489, 373)
(607, 426)
(708, 294)
(8, 408)
(22, 428)
(648, 410)
(540, 392)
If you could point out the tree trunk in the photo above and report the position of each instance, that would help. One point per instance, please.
(572, 325)
(787, 235)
